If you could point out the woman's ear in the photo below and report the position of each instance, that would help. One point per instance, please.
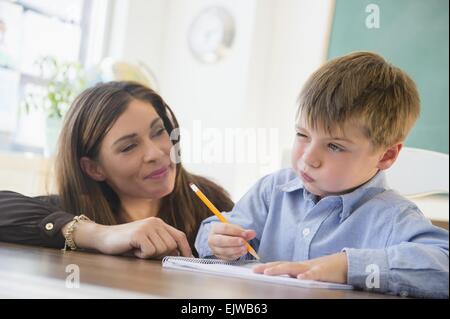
(389, 156)
(92, 169)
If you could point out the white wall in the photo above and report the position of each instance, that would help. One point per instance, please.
(277, 45)
(136, 30)
(213, 94)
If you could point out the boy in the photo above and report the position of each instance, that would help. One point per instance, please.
(331, 216)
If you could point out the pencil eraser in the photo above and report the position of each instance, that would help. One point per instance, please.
(194, 187)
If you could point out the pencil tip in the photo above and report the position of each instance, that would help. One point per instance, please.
(254, 254)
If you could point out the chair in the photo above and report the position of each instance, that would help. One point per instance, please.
(419, 172)
(422, 176)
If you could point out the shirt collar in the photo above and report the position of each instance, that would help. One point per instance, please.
(297, 184)
(292, 185)
(350, 201)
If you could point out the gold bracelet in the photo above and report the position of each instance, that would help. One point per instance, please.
(68, 234)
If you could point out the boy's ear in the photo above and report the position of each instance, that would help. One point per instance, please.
(92, 169)
(389, 156)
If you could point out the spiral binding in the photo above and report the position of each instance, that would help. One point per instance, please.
(210, 261)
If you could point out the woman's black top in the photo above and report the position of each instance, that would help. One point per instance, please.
(32, 220)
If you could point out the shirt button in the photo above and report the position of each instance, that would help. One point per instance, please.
(306, 232)
(49, 226)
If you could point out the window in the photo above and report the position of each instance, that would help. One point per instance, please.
(29, 31)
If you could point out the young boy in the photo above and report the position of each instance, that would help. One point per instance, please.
(332, 216)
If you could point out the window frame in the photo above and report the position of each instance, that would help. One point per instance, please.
(89, 53)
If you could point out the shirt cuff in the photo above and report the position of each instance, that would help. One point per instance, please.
(50, 228)
(367, 269)
(201, 241)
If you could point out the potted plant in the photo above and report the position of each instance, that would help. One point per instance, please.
(63, 81)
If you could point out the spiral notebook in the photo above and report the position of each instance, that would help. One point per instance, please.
(241, 269)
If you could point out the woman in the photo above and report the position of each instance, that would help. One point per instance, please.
(114, 166)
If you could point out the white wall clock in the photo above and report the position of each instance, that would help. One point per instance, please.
(211, 34)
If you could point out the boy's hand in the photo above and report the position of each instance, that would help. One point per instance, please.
(227, 241)
(331, 268)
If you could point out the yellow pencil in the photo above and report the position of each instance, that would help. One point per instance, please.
(216, 212)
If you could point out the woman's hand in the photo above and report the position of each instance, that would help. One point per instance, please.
(331, 268)
(146, 238)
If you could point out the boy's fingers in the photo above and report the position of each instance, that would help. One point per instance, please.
(291, 269)
(249, 234)
(311, 274)
(260, 268)
(226, 241)
(229, 253)
(227, 229)
(227, 257)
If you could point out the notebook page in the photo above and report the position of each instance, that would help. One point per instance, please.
(242, 269)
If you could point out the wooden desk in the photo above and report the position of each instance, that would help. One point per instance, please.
(34, 272)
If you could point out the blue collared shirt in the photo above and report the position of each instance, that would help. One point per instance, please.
(391, 247)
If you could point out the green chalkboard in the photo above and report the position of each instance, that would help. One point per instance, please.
(413, 35)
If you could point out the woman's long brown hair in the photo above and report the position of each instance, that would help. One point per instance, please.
(89, 119)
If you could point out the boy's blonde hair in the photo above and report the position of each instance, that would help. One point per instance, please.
(361, 88)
